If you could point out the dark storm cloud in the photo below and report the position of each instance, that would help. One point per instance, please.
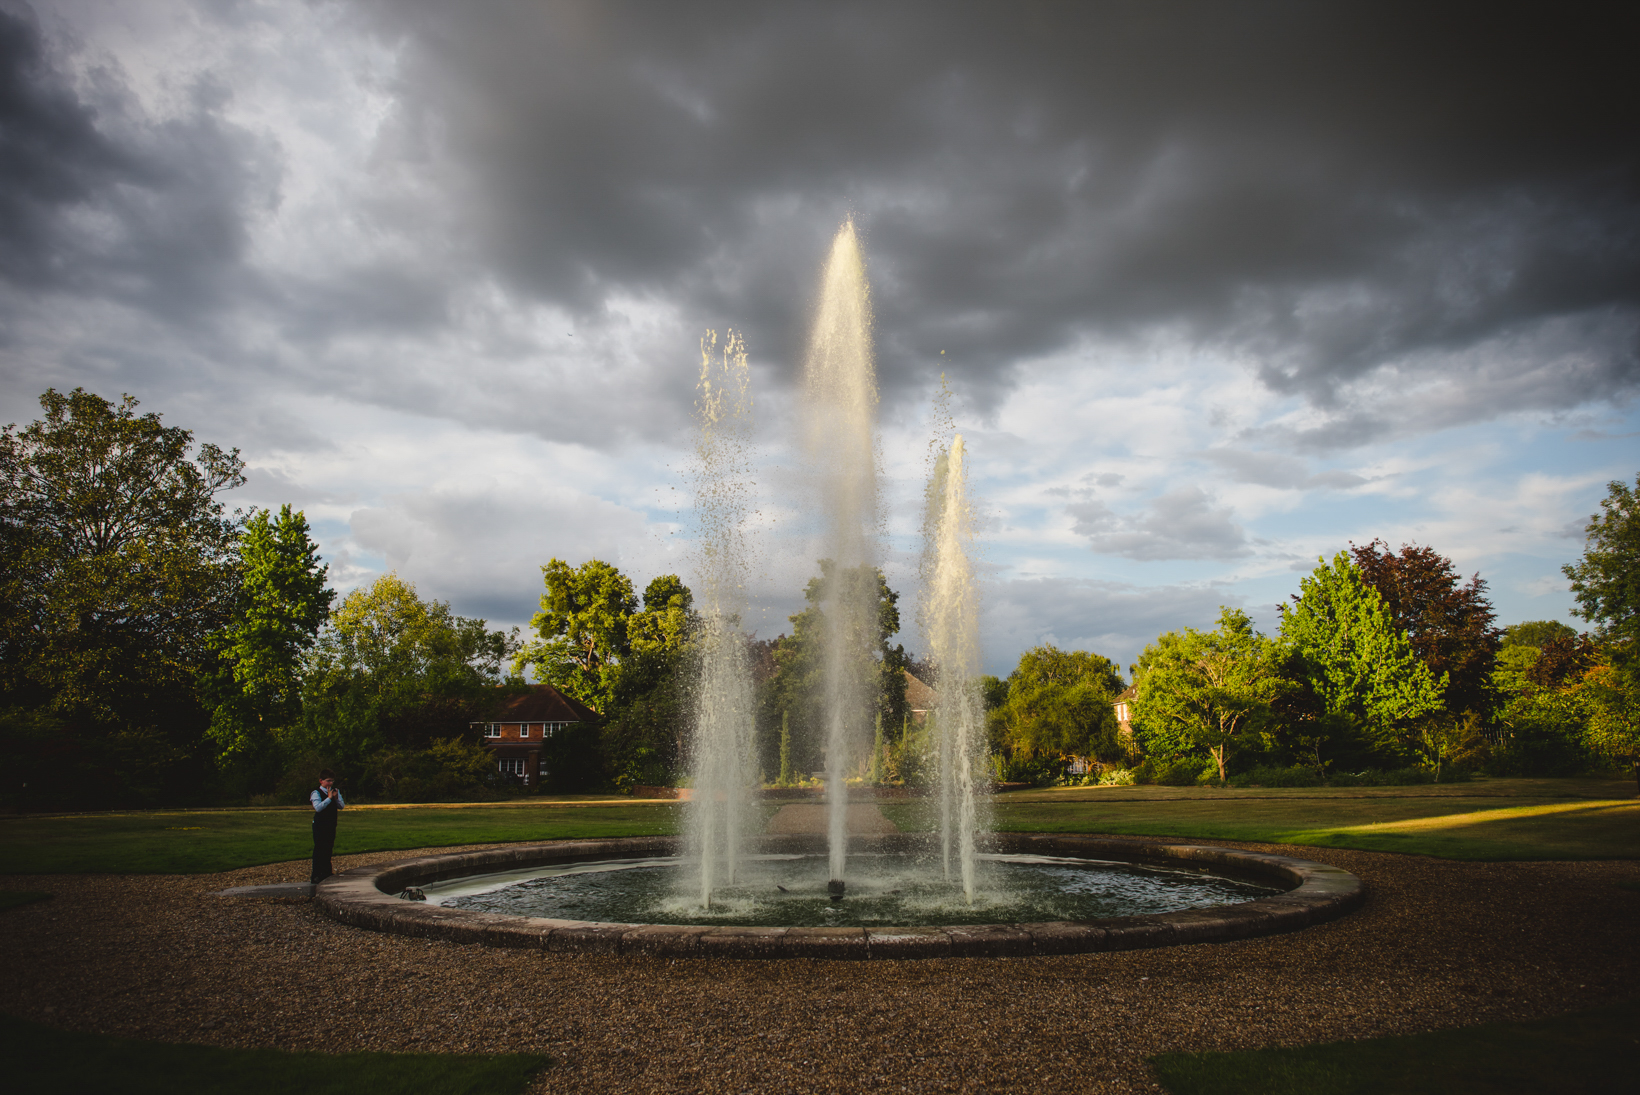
(1327, 190)
(1352, 199)
(97, 202)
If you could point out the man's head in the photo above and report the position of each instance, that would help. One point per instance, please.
(326, 777)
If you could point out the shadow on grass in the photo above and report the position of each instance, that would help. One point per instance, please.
(42, 1058)
(1591, 1051)
(11, 899)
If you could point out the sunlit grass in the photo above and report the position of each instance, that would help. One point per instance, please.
(1520, 820)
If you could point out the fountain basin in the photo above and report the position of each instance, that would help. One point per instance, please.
(365, 897)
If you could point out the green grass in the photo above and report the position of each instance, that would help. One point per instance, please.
(43, 1059)
(1593, 1051)
(199, 841)
(1495, 820)
(11, 899)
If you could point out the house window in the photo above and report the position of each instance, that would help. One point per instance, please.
(551, 728)
(510, 766)
(523, 729)
(492, 730)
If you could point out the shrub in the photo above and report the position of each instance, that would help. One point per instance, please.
(1173, 771)
(1298, 775)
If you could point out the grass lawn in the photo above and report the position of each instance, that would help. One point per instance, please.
(198, 841)
(41, 1058)
(1591, 1051)
(1492, 819)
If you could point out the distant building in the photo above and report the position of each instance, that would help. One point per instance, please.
(1124, 716)
(919, 698)
(524, 724)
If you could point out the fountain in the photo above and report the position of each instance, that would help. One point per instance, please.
(950, 618)
(723, 749)
(841, 414)
(990, 894)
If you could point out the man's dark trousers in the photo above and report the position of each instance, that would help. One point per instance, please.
(324, 839)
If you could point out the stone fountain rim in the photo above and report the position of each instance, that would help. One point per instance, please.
(364, 897)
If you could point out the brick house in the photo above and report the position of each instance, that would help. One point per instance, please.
(524, 724)
(1124, 716)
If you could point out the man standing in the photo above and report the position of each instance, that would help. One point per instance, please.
(327, 803)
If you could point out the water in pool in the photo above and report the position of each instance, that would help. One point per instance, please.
(884, 889)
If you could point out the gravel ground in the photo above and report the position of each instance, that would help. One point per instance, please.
(1438, 944)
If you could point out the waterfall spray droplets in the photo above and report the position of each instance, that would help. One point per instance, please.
(723, 694)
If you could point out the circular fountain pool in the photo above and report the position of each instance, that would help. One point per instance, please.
(884, 888)
(594, 916)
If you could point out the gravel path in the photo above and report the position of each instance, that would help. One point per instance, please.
(1438, 944)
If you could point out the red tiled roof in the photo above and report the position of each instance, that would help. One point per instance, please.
(918, 696)
(544, 703)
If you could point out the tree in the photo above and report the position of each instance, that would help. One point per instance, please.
(116, 566)
(282, 603)
(1058, 705)
(581, 630)
(391, 668)
(1606, 581)
(642, 739)
(1208, 689)
(792, 691)
(1606, 584)
(1535, 633)
(1447, 623)
(1348, 649)
(1613, 725)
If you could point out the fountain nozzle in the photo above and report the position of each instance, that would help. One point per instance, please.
(835, 888)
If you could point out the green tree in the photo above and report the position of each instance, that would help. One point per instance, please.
(390, 668)
(1606, 581)
(116, 566)
(792, 690)
(1211, 690)
(1606, 584)
(1348, 650)
(1058, 705)
(1448, 622)
(1535, 633)
(282, 603)
(581, 630)
(642, 738)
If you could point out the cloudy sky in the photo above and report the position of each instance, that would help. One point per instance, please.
(1217, 288)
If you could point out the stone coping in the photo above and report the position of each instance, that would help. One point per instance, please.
(364, 897)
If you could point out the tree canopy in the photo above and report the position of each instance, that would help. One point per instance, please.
(385, 653)
(1606, 581)
(791, 693)
(1447, 622)
(282, 603)
(1208, 689)
(118, 559)
(1058, 703)
(581, 629)
(1352, 655)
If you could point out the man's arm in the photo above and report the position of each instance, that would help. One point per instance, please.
(321, 801)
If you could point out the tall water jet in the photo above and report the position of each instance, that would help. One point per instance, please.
(723, 694)
(841, 413)
(950, 618)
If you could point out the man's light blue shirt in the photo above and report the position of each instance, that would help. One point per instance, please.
(321, 801)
